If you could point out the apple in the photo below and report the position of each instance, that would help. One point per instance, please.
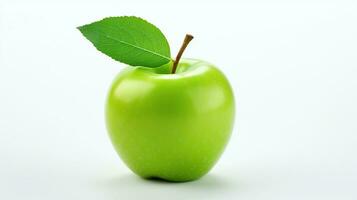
(170, 126)
(169, 118)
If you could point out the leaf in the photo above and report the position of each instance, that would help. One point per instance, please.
(130, 40)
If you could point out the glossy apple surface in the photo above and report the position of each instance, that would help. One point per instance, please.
(170, 126)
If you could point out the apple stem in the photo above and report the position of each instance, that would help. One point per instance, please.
(187, 40)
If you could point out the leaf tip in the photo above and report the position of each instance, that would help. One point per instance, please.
(80, 28)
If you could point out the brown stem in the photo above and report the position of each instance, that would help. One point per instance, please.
(187, 40)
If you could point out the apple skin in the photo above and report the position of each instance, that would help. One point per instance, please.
(170, 126)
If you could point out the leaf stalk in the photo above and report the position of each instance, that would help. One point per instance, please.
(186, 41)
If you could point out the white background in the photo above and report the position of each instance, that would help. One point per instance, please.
(292, 65)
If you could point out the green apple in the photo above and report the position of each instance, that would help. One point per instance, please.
(169, 119)
(170, 126)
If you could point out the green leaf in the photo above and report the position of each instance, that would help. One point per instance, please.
(130, 40)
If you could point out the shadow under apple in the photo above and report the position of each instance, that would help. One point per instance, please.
(128, 186)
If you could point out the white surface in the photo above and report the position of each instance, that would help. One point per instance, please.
(293, 67)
